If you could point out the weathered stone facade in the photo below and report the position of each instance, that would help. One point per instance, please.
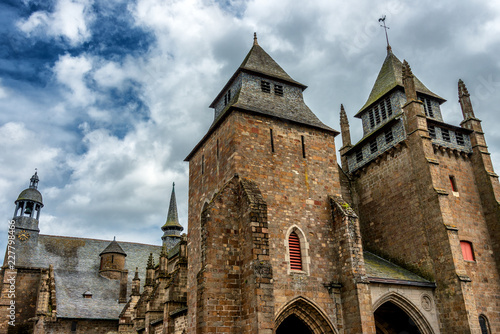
(403, 237)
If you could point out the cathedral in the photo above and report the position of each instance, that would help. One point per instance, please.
(401, 235)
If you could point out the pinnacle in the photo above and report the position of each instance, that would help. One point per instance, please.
(151, 262)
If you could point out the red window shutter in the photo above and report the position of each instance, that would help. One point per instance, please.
(295, 255)
(467, 250)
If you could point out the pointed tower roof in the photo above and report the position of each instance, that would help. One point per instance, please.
(113, 247)
(172, 217)
(390, 77)
(258, 61)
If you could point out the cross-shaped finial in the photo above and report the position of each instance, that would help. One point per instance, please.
(382, 19)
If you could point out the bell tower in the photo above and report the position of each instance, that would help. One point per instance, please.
(27, 213)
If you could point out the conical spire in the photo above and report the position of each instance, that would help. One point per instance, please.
(172, 217)
(390, 77)
(113, 247)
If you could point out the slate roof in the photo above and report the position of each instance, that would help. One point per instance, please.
(76, 264)
(390, 77)
(259, 63)
(381, 270)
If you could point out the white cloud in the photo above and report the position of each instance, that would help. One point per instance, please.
(3, 91)
(72, 71)
(70, 20)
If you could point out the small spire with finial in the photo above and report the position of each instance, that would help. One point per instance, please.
(382, 19)
(255, 39)
(34, 180)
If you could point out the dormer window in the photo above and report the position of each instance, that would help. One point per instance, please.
(87, 294)
(265, 86)
(278, 90)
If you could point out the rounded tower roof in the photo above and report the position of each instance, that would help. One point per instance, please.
(31, 193)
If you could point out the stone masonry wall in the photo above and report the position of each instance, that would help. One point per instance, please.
(467, 214)
(295, 189)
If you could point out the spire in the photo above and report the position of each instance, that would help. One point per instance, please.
(172, 217)
(344, 127)
(255, 39)
(408, 82)
(34, 180)
(464, 99)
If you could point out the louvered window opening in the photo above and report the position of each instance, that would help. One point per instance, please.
(460, 139)
(265, 86)
(380, 112)
(295, 254)
(446, 134)
(388, 136)
(432, 131)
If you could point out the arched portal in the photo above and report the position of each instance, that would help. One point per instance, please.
(303, 317)
(293, 325)
(390, 319)
(392, 307)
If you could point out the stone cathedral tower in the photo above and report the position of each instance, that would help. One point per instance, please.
(264, 252)
(428, 197)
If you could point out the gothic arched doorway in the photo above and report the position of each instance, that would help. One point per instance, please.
(293, 325)
(395, 314)
(390, 319)
(301, 316)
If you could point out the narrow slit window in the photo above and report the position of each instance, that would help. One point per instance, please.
(217, 148)
(483, 323)
(278, 90)
(453, 184)
(460, 139)
(265, 86)
(388, 136)
(295, 253)
(373, 147)
(303, 147)
(467, 250)
(446, 134)
(202, 164)
(272, 140)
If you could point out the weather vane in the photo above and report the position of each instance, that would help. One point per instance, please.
(382, 19)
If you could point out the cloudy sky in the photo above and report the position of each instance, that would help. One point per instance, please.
(107, 97)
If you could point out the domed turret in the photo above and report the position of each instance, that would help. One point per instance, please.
(28, 206)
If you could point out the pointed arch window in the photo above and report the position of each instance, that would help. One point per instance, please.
(483, 323)
(295, 253)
